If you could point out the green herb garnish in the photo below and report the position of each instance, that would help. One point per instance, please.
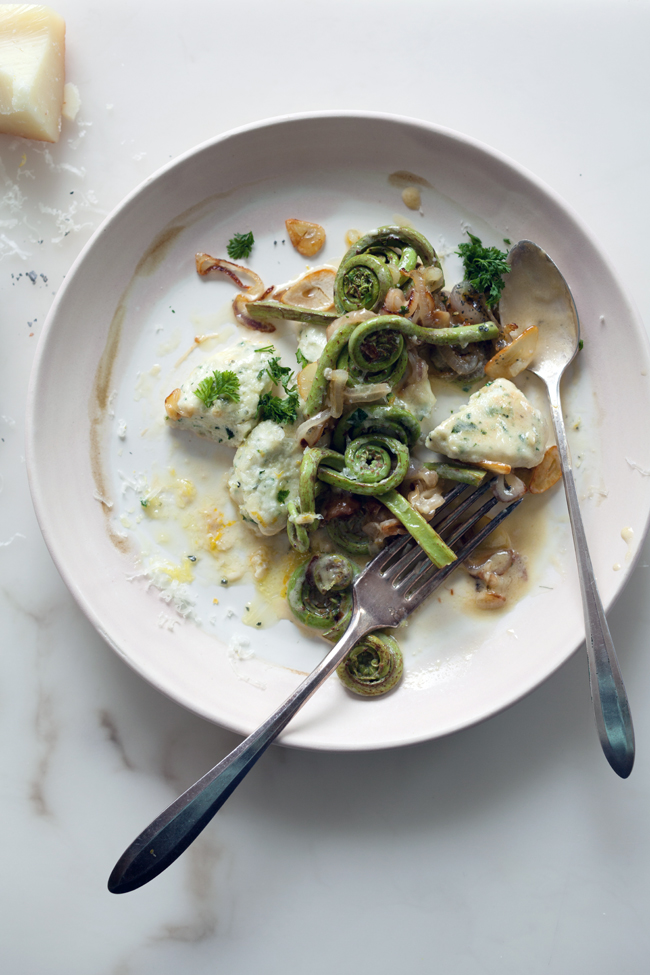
(281, 375)
(273, 407)
(220, 385)
(484, 267)
(282, 495)
(301, 359)
(240, 245)
(279, 410)
(265, 348)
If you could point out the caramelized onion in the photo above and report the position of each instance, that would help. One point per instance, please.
(310, 431)
(394, 301)
(463, 364)
(239, 307)
(205, 263)
(338, 380)
(367, 393)
(508, 487)
(362, 315)
(421, 306)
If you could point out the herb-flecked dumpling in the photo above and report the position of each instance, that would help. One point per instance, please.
(221, 397)
(498, 425)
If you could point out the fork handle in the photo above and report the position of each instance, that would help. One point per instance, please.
(611, 707)
(178, 826)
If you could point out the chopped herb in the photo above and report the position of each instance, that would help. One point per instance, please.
(230, 433)
(403, 310)
(240, 245)
(301, 359)
(282, 495)
(581, 345)
(279, 410)
(192, 558)
(507, 242)
(484, 267)
(273, 407)
(144, 502)
(281, 375)
(265, 348)
(220, 385)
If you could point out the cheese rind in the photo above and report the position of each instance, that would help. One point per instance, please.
(32, 71)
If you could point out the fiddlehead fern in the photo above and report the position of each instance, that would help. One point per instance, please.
(391, 421)
(362, 282)
(319, 594)
(378, 261)
(378, 342)
(370, 466)
(348, 533)
(377, 348)
(374, 666)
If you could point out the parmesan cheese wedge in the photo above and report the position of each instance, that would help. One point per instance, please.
(32, 71)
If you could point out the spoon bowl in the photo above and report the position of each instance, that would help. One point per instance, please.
(535, 293)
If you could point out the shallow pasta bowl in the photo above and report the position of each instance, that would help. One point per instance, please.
(109, 351)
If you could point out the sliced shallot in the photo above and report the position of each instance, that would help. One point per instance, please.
(310, 431)
(508, 487)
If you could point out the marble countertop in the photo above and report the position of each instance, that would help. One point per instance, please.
(510, 847)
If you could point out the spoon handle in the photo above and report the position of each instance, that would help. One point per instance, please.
(607, 689)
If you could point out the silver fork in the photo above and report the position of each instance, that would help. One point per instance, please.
(388, 589)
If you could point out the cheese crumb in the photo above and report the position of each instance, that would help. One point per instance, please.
(32, 71)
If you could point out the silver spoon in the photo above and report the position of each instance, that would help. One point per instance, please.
(535, 293)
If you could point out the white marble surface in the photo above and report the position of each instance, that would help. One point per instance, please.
(508, 848)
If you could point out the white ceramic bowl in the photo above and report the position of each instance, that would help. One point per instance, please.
(138, 270)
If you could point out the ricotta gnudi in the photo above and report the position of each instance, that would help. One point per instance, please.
(498, 425)
(265, 474)
(225, 421)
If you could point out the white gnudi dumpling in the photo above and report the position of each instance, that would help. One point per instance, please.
(497, 425)
(226, 421)
(265, 475)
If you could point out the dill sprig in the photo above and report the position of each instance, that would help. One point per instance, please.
(240, 245)
(274, 407)
(279, 410)
(484, 267)
(220, 385)
(281, 375)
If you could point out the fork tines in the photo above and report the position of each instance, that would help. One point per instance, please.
(412, 571)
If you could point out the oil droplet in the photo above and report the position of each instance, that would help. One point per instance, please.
(259, 614)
